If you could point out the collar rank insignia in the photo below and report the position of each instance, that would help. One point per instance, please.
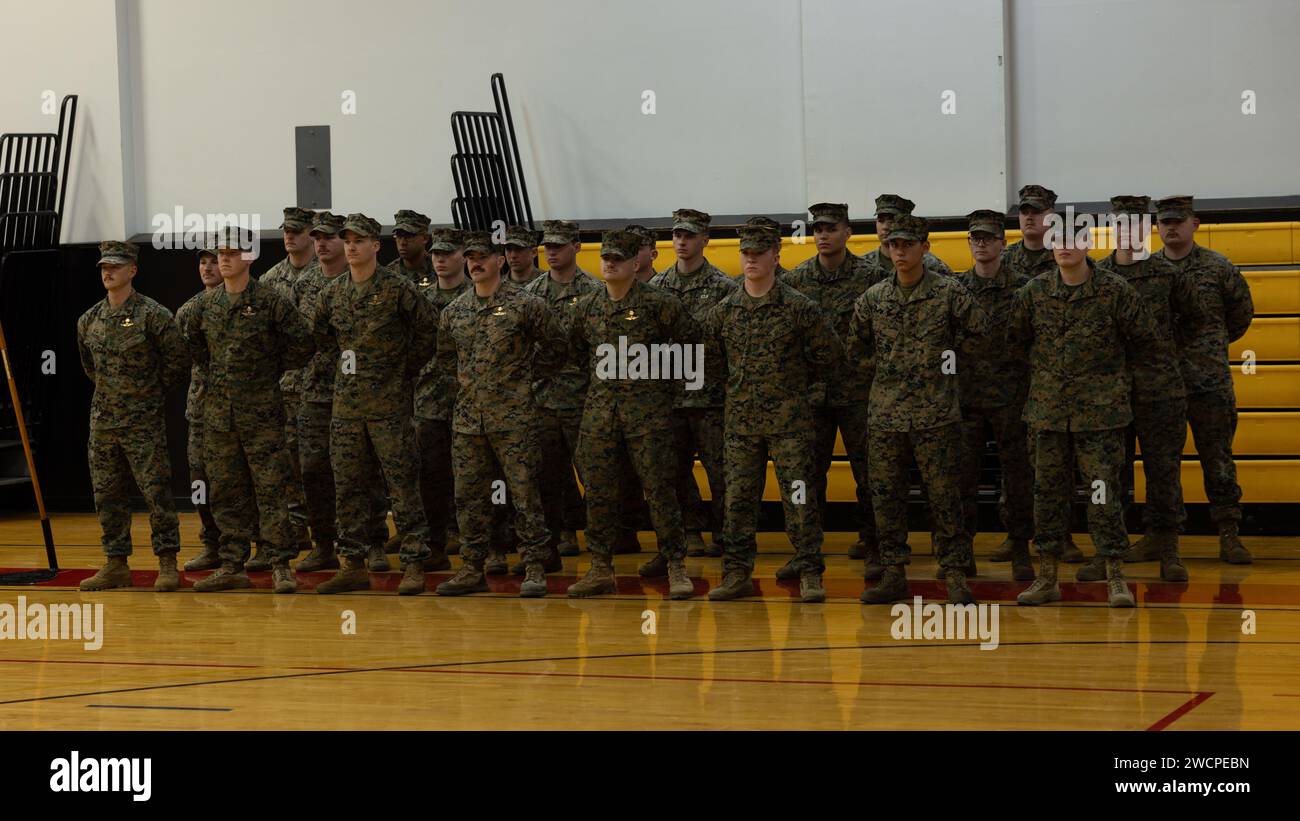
(425, 282)
(573, 300)
(500, 311)
(630, 315)
(248, 310)
(127, 323)
(376, 299)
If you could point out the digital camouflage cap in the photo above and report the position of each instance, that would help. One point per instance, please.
(985, 221)
(361, 225)
(327, 223)
(831, 213)
(112, 252)
(758, 237)
(893, 204)
(688, 219)
(480, 242)
(521, 236)
(1179, 206)
(908, 227)
(559, 232)
(1130, 204)
(446, 239)
(620, 244)
(765, 221)
(648, 238)
(232, 238)
(297, 219)
(1037, 197)
(410, 222)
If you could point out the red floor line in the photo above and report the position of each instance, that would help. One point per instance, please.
(634, 677)
(1182, 710)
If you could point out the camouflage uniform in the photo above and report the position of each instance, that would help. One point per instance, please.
(415, 223)
(209, 534)
(767, 222)
(993, 380)
(878, 261)
(840, 398)
(435, 396)
(697, 416)
(247, 341)
(1203, 349)
(133, 354)
(389, 330)
(771, 347)
(915, 406)
(623, 421)
(1081, 341)
(496, 347)
(284, 276)
(1019, 261)
(560, 395)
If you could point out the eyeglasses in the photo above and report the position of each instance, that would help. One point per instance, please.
(985, 240)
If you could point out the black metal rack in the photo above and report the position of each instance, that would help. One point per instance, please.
(34, 184)
(486, 168)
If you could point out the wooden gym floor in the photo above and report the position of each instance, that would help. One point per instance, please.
(251, 659)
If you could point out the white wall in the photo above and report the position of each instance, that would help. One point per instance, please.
(1144, 96)
(762, 105)
(70, 47)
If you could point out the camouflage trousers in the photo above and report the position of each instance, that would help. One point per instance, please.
(561, 498)
(373, 460)
(700, 431)
(437, 485)
(1160, 429)
(1213, 417)
(248, 471)
(294, 490)
(478, 459)
(1011, 436)
(632, 498)
(116, 455)
(938, 454)
(606, 449)
(1099, 456)
(745, 458)
(851, 422)
(209, 535)
(318, 479)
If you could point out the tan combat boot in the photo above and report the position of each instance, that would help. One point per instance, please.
(114, 573)
(351, 576)
(1231, 550)
(1044, 589)
(656, 568)
(168, 577)
(209, 558)
(469, 579)
(1172, 568)
(599, 579)
(377, 559)
(534, 584)
(1022, 567)
(872, 570)
(680, 585)
(858, 550)
(412, 583)
(1005, 551)
(736, 584)
(568, 545)
(1145, 549)
(282, 578)
(810, 587)
(791, 569)
(261, 560)
(892, 587)
(1117, 585)
(1093, 570)
(496, 564)
(231, 576)
(321, 557)
(958, 591)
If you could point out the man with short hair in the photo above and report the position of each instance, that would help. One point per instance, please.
(766, 222)
(888, 208)
(284, 275)
(498, 340)
(834, 279)
(773, 339)
(1211, 399)
(131, 350)
(248, 334)
(623, 421)
(1085, 330)
(993, 380)
(385, 332)
(411, 235)
(910, 325)
(698, 414)
(646, 254)
(209, 557)
(560, 395)
(521, 254)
